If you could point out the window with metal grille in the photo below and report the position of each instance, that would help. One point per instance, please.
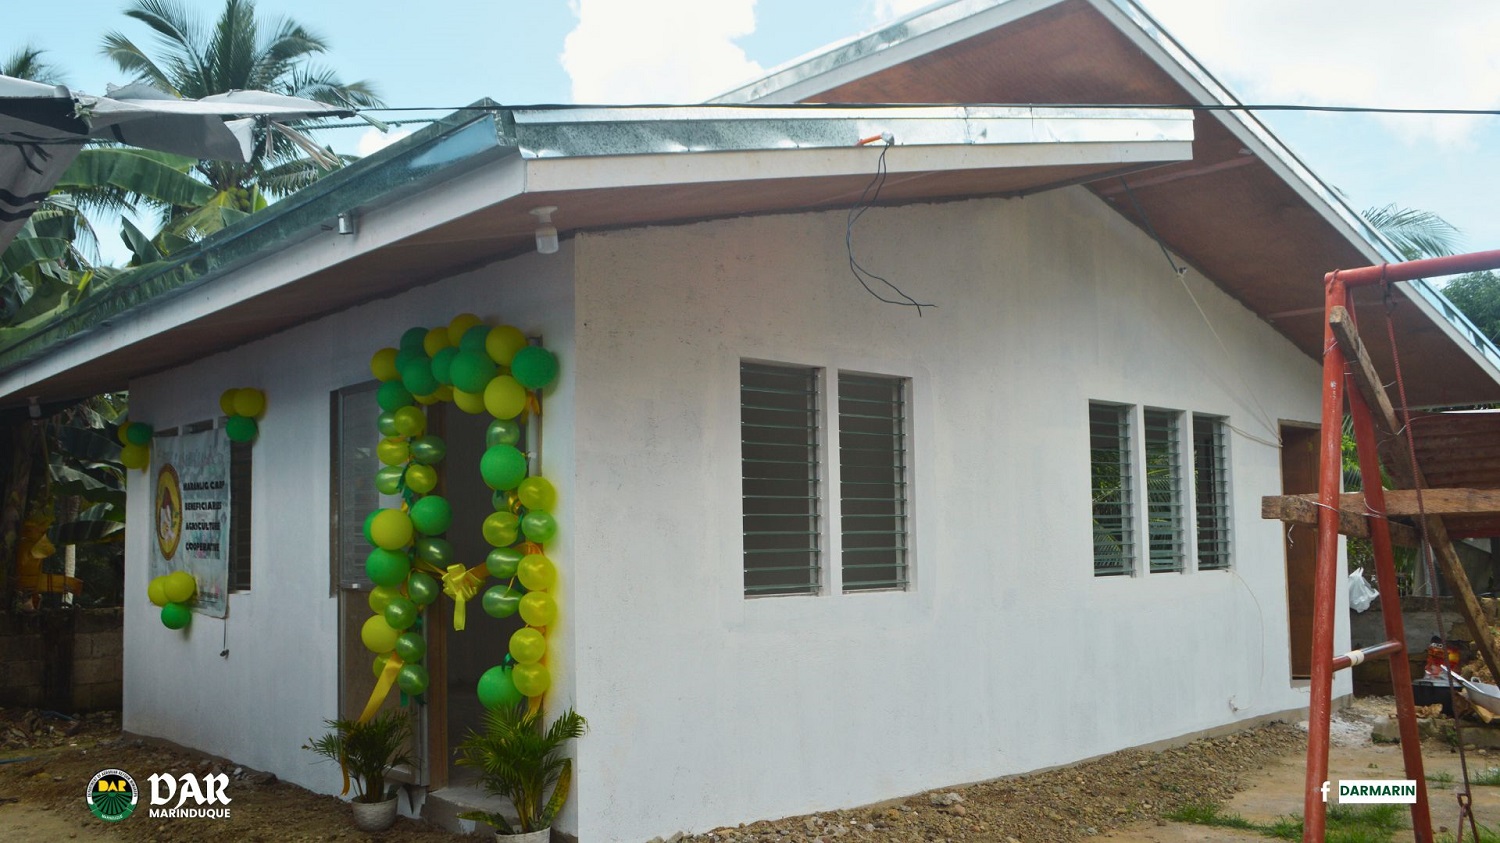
(1113, 499)
(1166, 525)
(239, 515)
(872, 481)
(1211, 492)
(779, 479)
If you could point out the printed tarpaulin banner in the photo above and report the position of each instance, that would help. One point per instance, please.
(192, 514)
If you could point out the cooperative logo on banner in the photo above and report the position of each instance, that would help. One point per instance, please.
(1370, 791)
(168, 511)
(113, 795)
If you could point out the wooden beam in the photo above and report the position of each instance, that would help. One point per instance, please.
(1403, 502)
(1409, 476)
(1303, 509)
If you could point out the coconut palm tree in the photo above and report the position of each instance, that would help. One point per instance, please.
(239, 51)
(1416, 234)
(26, 63)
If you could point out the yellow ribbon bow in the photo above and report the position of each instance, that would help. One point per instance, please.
(461, 584)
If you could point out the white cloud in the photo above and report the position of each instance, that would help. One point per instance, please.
(888, 10)
(1391, 53)
(672, 51)
(373, 140)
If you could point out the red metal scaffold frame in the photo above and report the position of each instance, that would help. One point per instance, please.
(1336, 376)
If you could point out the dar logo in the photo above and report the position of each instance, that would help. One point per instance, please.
(112, 795)
(168, 510)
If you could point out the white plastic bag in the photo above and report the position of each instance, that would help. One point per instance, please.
(1361, 593)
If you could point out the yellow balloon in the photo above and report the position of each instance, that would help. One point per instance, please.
(381, 597)
(226, 401)
(120, 432)
(503, 342)
(470, 402)
(391, 529)
(428, 399)
(392, 451)
(537, 493)
(461, 323)
(504, 397)
(537, 572)
(379, 636)
(421, 478)
(532, 680)
(249, 402)
(179, 587)
(435, 341)
(135, 456)
(383, 365)
(538, 609)
(410, 421)
(528, 646)
(444, 393)
(156, 592)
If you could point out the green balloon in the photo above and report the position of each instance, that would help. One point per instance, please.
(406, 355)
(388, 480)
(177, 615)
(472, 370)
(417, 377)
(502, 467)
(422, 588)
(370, 519)
(386, 423)
(400, 613)
(473, 339)
(411, 647)
(378, 666)
(496, 689)
(502, 562)
(431, 515)
(441, 363)
(502, 432)
(412, 679)
(501, 601)
(387, 567)
(435, 551)
(499, 500)
(428, 450)
(499, 529)
(392, 396)
(138, 433)
(241, 429)
(534, 367)
(413, 338)
(539, 526)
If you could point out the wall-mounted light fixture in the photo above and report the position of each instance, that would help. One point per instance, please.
(546, 232)
(346, 223)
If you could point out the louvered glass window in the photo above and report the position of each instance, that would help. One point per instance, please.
(872, 481)
(1113, 501)
(239, 515)
(1211, 492)
(354, 467)
(1166, 526)
(779, 479)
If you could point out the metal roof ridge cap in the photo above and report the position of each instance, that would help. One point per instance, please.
(11, 356)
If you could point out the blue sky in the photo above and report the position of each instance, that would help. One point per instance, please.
(452, 52)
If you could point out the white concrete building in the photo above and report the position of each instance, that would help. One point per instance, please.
(963, 592)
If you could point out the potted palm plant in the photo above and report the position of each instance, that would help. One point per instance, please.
(520, 760)
(367, 751)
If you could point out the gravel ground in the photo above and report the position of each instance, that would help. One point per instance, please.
(1052, 807)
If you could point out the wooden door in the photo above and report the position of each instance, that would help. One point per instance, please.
(1299, 475)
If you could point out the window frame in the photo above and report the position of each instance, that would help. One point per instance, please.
(816, 480)
(900, 426)
(1164, 503)
(1124, 462)
(1219, 488)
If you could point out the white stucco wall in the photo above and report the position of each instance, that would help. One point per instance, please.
(280, 680)
(1007, 654)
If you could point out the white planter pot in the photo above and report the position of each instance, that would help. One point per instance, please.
(539, 836)
(374, 816)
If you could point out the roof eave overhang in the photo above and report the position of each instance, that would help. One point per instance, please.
(515, 160)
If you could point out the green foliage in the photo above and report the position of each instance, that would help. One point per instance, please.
(1488, 777)
(1346, 823)
(1416, 234)
(1210, 815)
(520, 760)
(1478, 296)
(26, 63)
(367, 750)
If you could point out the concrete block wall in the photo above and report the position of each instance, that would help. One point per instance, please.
(65, 660)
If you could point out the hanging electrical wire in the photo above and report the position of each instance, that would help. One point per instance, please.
(867, 198)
